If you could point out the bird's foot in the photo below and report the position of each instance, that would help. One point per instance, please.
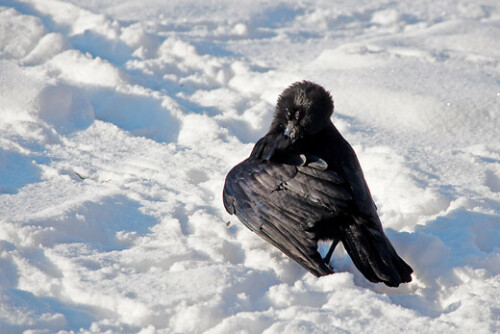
(330, 251)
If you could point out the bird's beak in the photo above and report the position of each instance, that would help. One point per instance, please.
(291, 131)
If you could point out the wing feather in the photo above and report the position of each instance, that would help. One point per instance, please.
(283, 202)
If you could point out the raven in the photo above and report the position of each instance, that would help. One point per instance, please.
(303, 183)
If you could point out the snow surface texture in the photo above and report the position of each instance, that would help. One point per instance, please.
(121, 118)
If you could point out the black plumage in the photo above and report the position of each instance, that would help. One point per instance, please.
(303, 183)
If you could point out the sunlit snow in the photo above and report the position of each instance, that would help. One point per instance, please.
(120, 119)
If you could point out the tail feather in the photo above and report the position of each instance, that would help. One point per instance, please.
(373, 254)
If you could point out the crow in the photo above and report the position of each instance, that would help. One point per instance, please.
(303, 183)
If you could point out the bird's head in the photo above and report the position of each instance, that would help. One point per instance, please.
(303, 109)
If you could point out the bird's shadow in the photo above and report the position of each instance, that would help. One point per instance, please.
(444, 254)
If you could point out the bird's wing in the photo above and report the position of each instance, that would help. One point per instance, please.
(283, 202)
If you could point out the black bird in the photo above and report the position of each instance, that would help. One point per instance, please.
(303, 183)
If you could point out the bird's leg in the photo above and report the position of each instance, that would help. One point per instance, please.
(330, 251)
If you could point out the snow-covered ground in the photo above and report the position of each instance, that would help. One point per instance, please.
(119, 120)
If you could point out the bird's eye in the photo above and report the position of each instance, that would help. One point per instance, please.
(297, 115)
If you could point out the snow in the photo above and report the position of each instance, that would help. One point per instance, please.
(120, 120)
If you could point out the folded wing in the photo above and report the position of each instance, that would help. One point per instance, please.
(283, 204)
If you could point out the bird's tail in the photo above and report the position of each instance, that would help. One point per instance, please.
(373, 254)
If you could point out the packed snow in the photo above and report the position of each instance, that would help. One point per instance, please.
(120, 120)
